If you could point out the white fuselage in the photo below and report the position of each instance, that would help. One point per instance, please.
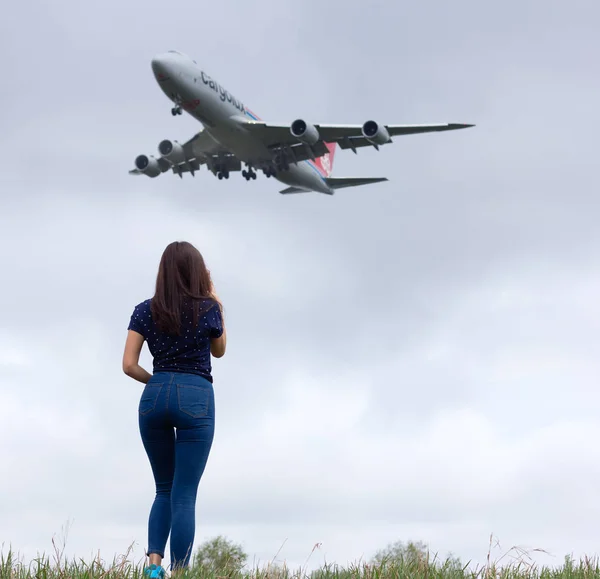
(223, 117)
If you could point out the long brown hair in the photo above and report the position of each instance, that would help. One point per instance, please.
(183, 281)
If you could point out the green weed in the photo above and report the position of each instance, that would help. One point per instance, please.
(404, 562)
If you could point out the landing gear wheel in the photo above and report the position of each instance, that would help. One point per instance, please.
(176, 110)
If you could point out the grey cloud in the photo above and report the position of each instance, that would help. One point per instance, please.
(439, 325)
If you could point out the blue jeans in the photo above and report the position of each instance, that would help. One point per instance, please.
(177, 423)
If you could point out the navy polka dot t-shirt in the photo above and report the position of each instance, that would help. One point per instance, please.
(190, 352)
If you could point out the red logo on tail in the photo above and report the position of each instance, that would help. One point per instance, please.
(325, 163)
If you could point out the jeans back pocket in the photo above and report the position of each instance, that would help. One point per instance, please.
(149, 397)
(193, 400)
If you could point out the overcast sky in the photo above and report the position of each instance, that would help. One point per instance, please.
(416, 359)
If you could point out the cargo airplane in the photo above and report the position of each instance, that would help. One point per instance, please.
(300, 154)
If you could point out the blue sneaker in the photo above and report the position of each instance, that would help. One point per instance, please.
(154, 572)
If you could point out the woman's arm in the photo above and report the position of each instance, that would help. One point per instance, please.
(218, 345)
(131, 358)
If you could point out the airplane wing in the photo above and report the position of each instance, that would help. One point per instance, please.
(346, 136)
(200, 150)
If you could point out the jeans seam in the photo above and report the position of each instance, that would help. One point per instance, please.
(168, 396)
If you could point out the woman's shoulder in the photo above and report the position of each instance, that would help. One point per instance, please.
(143, 308)
(211, 307)
(141, 318)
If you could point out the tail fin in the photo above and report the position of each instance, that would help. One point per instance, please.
(325, 163)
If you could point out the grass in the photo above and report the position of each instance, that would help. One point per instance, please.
(521, 566)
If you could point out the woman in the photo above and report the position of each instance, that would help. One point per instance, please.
(183, 325)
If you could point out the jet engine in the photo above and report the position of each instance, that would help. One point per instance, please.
(375, 134)
(304, 132)
(172, 151)
(147, 165)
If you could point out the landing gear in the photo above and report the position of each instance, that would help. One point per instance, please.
(281, 163)
(220, 171)
(248, 174)
(269, 172)
(176, 110)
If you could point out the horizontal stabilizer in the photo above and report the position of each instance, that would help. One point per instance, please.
(293, 190)
(342, 182)
(339, 183)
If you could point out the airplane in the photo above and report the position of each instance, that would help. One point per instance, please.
(299, 155)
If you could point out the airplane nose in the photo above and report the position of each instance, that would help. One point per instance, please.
(160, 67)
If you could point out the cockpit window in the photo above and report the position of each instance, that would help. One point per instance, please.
(181, 54)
